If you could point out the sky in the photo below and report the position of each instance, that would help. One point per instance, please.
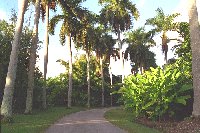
(146, 8)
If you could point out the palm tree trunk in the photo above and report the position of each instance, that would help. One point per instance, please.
(195, 45)
(141, 69)
(70, 73)
(102, 80)
(88, 75)
(29, 98)
(165, 58)
(121, 54)
(164, 46)
(6, 107)
(111, 81)
(44, 105)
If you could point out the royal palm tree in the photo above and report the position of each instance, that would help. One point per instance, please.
(45, 6)
(6, 107)
(118, 15)
(70, 27)
(103, 46)
(195, 46)
(163, 23)
(29, 98)
(139, 43)
(84, 40)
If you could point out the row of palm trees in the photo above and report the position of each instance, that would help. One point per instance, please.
(79, 26)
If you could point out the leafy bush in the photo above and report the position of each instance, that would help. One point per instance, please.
(57, 90)
(153, 93)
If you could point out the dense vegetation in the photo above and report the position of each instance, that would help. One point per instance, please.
(151, 91)
(166, 92)
(57, 86)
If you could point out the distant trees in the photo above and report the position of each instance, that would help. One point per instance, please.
(139, 43)
(56, 92)
(118, 14)
(103, 48)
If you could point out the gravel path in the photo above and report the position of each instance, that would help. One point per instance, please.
(90, 121)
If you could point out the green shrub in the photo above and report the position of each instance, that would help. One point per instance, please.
(153, 93)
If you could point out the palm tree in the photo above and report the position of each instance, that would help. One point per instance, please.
(29, 98)
(6, 107)
(103, 46)
(70, 28)
(84, 40)
(45, 5)
(46, 42)
(118, 14)
(195, 46)
(163, 23)
(139, 43)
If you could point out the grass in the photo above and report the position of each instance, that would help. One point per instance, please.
(38, 121)
(124, 120)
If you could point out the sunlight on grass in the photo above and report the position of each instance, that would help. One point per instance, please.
(38, 121)
(125, 120)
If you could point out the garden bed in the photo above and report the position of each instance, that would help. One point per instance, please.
(189, 125)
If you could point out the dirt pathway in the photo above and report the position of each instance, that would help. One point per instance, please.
(90, 121)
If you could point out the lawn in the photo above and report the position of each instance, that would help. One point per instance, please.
(125, 120)
(38, 121)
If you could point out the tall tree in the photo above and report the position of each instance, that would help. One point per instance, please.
(139, 43)
(6, 107)
(163, 23)
(195, 46)
(118, 14)
(71, 17)
(103, 46)
(46, 42)
(29, 98)
(45, 6)
(84, 40)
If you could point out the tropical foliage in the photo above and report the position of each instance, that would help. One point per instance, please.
(161, 93)
(156, 93)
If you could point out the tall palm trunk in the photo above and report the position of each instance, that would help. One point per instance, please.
(6, 107)
(102, 80)
(88, 75)
(195, 45)
(29, 98)
(70, 73)
(164, 46)
(121, 53)
(44, 105)
(111, 81)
